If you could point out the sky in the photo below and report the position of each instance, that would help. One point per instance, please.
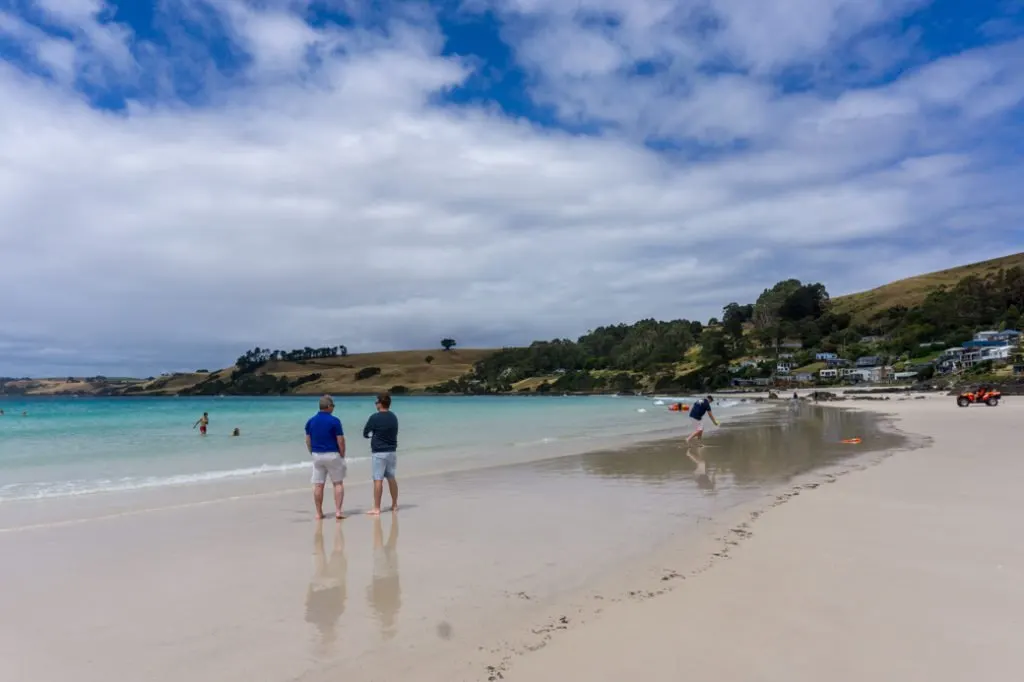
(182, 180)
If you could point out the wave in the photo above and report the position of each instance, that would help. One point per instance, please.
(719, 404)
(37, 491)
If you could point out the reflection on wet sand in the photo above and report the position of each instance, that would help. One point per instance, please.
(325, 598)
(385, 590)
(705, 481)
(770, 447)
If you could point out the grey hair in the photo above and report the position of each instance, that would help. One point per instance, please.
(326, 402)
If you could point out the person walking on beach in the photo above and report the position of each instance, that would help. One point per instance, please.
(201, 423)
(382, 429)
(697, 412)
(325, 441)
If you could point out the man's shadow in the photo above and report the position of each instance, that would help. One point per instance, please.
(327, 592)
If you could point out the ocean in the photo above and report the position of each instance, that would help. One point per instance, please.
(80, 446)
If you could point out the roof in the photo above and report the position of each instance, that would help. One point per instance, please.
(984, 344)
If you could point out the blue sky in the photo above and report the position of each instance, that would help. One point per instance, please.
(185, 179)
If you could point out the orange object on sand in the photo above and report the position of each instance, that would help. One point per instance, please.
(678, 407)
(851, 441)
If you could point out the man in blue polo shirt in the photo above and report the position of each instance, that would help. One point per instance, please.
(697, 412)
(325, 441)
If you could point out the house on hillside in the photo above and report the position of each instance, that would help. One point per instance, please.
(784, 368)
(826, 356)
(792, 344)
(804, 377)
(785, 356)
(869, 361)
(871, 374)
(999, 355)
(949, 360)
(904, 376)
(828, 374)
(837, 362)
(1007, 336)
(871, 340)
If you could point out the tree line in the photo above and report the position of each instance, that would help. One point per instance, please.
(648, 352)
(257, 357)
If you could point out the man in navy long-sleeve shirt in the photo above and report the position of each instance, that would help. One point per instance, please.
(382, 430)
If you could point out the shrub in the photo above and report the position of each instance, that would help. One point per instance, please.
(429, 359)
(367, 372)
(399, 390)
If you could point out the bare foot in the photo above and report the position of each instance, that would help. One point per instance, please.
(319, 516)
(339, 516)
(394, 507)
(373, 512)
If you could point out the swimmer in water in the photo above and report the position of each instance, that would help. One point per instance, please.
(236, 432)
(202, 422)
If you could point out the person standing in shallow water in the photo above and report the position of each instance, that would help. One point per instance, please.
(325, 441)
(382, 429)
(697, 412)
(202, 422)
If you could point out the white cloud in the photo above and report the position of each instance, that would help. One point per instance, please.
(344, 207)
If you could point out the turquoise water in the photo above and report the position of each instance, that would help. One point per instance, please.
(75, 446)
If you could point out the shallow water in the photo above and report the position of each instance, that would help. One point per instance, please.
(68, 446)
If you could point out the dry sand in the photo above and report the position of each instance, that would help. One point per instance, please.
(909, 570)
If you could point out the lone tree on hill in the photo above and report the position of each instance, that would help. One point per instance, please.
(447, 344)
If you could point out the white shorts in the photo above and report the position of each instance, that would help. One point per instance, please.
(698, 425)
(328, 464)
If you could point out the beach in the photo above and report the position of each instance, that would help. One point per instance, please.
(793, 556)
(236, 581)
(905, 567)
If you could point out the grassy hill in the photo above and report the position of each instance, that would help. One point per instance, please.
(913, 290)
(410, 369)
(338, 375)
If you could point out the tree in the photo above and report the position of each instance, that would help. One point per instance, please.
(447, 344)
(429, 359)
(734, 316)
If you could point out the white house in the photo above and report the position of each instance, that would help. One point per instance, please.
(828, 374)
(872, 374)
(995, 354)
(784, 368)
(867, 374)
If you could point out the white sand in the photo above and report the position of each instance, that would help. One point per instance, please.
(909, 570)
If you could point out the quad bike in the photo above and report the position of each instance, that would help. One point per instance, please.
(982, 396)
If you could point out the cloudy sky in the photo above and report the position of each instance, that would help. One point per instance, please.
(183, 179)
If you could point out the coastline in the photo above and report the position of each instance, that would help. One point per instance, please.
(892, 566)
(487, 557)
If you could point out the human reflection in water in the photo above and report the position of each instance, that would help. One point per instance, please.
(385, 592)
(704, 480)
(325, 598)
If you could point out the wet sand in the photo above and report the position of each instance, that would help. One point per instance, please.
(478, 565)
(906, 567)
